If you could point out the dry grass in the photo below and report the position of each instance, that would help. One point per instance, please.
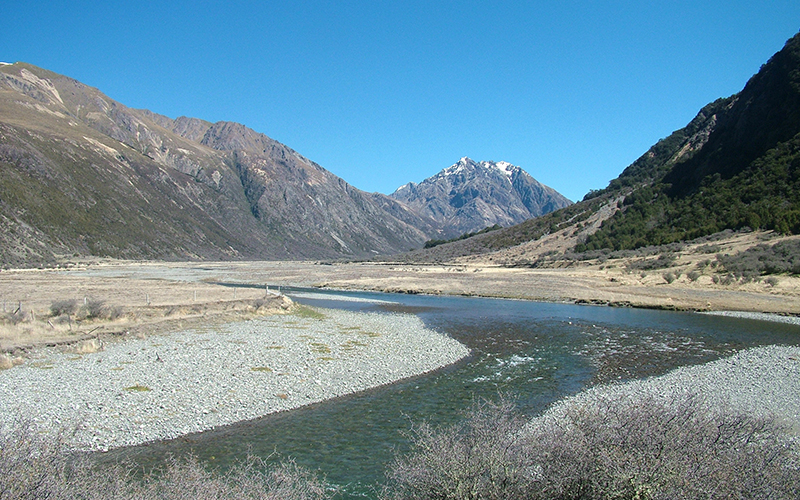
(48, 308)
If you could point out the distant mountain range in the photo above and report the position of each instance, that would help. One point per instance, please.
(735, 166)
(469, 196)
(84, 175)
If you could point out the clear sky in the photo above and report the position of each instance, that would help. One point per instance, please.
(382, 92)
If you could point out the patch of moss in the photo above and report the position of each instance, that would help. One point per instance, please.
(308, 312)
(320, 348)
(137, 388)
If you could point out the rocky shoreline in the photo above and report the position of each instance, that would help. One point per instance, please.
(761, 382)
(141, 390)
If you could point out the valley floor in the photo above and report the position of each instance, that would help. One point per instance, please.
(163, 312)
(144, 297)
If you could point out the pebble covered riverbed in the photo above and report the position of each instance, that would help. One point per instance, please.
(761, 382)
(140, 390)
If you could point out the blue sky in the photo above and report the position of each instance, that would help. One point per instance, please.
(383, 93)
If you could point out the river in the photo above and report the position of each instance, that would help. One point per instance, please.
(532, 352)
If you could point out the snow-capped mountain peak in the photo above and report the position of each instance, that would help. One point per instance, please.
(469, 196)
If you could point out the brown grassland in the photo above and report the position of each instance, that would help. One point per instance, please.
(100, 299)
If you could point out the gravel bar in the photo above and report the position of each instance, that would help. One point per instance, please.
(140, 390)
(762, 382)
(777, 318)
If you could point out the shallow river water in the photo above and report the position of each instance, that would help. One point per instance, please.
(533, 352)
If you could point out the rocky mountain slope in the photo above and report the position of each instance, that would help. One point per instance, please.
(85, 175)
(735, 166)
(469, 196)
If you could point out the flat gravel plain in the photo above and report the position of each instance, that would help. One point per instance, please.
(141, 390)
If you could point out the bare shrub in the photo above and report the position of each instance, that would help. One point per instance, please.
(677, 447)
(693, 275)
(764, 259)
(32, 465)
(666, 259)
(35, 466)
(97, 309)
(190, 479)
(623, 447)
(63, 307)
(14, 317)
(669, 277)
(477, 458)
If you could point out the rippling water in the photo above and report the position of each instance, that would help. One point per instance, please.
(535, 352)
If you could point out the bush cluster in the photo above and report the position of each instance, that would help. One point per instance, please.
(764, 259)
(616, 447)
(34, 466)
(623, 447)
(90, 309)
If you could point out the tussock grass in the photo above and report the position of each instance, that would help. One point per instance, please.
(138, 388)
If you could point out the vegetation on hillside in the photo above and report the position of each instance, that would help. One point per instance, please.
(764, 259)
(736, 165)
(434, 242)
(764, 196)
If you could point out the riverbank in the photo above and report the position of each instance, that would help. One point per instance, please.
(760, 382)
(169, 295)
(175, 383)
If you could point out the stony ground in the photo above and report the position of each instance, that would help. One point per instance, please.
(138, 390)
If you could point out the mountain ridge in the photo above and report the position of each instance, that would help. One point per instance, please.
(469, 196)
(86, 175)
(734, 166)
